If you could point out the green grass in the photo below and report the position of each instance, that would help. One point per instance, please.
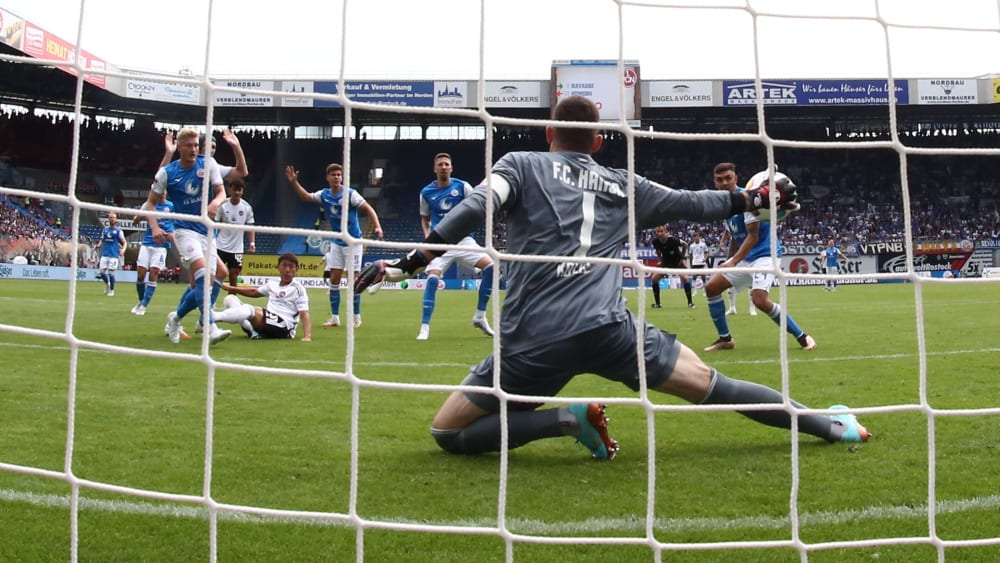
(283, 441)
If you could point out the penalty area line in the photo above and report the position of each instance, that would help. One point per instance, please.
(520, 525)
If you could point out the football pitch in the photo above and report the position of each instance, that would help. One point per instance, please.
(333, 442)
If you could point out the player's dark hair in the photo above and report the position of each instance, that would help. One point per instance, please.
(289, 257)
(237, 183)
(723, 167)
(576, 108)
(334, 166)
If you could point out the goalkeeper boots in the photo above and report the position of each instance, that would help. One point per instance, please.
(594, 430)
(853, 431)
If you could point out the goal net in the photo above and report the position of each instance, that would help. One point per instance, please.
(118, 445)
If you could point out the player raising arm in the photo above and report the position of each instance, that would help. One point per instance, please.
(567, 318)
(181, 182)
(331, 200)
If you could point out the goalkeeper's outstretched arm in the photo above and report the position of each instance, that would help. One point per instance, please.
(463, 219)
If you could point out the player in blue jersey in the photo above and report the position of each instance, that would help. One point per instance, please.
(112, 247)
(749, 247)
(566, 317)
(830, 258)
(152, 258)
(183, 183)
(332, 200)
(436, 200)
(234, 173)
(229, 173)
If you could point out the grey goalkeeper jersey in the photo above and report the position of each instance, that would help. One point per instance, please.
(566, 204)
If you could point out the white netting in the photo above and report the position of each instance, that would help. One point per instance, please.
(509, 528)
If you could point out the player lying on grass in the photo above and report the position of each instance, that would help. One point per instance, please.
(565, 318)
(287, 305)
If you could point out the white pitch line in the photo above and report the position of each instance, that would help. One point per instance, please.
(520, 525)
(810, 358)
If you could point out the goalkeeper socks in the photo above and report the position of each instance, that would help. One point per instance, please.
(723, 390)
(793, 328)
(485, 288)
(140, 289)
(483, 435)
(717, 310)
(147, 295)
(334, 301)
(430, 293)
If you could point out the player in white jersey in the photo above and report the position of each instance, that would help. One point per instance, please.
(287, 305)
(698, 251)
(561, 318)
(229, 242)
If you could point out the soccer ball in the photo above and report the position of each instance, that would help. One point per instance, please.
(760, 179)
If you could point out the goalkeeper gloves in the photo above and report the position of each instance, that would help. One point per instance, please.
(760, 197)
(391, 270)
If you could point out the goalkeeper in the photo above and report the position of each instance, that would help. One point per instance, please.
(565, 318)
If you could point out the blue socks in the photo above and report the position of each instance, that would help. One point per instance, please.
(147, 296)
(717, 310)
(793, 327)
(485, 288)
(430, 294)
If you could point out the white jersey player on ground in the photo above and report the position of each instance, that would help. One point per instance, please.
(287, 305)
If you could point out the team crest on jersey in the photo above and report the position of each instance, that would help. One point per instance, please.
(454, 193)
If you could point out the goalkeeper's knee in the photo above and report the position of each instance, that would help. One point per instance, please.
(448, 440)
